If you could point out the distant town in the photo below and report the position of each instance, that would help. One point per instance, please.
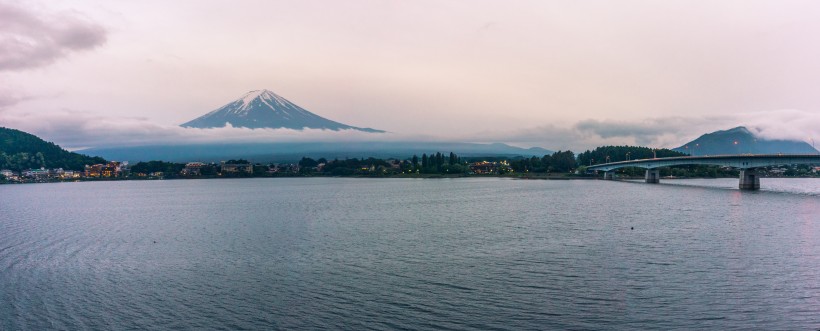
(370, 167)
(560, 165)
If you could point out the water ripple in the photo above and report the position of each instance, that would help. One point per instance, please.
(391, 254)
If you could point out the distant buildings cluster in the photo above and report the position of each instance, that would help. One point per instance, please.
(223, 168)
(489, 168)
(111, 169)
(114, 169)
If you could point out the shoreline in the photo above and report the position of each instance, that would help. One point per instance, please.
(415, 176)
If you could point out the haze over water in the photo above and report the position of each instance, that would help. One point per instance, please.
(477, 253)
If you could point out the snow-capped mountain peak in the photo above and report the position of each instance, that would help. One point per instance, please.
(265, 109)
(265, 96)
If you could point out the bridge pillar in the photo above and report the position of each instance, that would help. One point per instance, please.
(653, 176)
(609, 175)
(749, 180)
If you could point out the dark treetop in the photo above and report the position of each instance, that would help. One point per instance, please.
(20, 150)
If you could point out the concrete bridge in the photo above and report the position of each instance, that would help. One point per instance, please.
(747, 163)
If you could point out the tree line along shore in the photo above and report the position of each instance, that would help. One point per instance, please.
(558, 165)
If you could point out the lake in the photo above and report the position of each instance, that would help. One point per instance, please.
(418, 254)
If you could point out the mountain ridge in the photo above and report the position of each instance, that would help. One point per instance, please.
(293, 151)
(741, 140)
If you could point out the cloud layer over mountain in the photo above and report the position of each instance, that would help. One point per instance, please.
(77, 129)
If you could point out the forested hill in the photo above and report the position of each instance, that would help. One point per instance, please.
(20, 151)
(741, 140)
(606, 154)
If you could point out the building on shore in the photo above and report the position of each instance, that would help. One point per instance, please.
(36, 173)
(70, 174)
(109, 170)
(484, 168)
(283, 168)
(235, 168)
(193, 169)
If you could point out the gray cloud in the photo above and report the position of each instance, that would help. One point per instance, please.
(78, 129)
(9, 97)
(29, 39)
(787, 124)
(612, 129)
(667, 132)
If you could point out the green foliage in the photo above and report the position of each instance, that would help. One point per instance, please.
(563, 161)
(437, 163)
(210, 170)
(20, 151)
(342, 171)
(560, 161)
(307, 162)
(168, 168)
(605, 154)
(454, 169)
(345, 167)
(363, 167)
(257, 169)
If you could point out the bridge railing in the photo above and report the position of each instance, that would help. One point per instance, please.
(741, 161)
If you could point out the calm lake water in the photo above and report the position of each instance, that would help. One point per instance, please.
(420, 254)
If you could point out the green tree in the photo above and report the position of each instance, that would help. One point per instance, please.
(208, 170)
(623, 153)
(168, 168)
(307, 162)
(563, 161)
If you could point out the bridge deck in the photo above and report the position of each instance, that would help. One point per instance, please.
(742, 161)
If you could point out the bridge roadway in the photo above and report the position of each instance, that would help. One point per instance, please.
(747, 163)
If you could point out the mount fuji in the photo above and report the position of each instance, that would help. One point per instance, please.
(265, 109)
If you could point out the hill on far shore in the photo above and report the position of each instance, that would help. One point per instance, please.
(20, 150)
(740, 140)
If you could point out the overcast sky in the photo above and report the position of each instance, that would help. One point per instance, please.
(555, 74)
